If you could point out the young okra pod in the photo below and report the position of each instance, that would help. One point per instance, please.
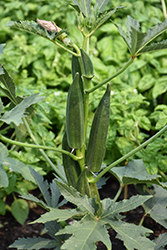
(71, 167)
(98, 135)
(88, 70)
(75, 115)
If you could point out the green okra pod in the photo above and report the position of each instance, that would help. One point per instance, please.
(98, 135)
(76, 68)
(75, 115)
(88, 70)
(71, 167)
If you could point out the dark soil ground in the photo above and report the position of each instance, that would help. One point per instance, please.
(10, 229)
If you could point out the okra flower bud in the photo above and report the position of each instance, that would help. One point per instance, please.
(51, 26)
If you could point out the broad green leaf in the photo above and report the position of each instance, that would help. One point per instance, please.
(20, 210)
(9, 86)
(85, 234)
(161, 241)
(135, 172)
(156, 206)
(43, 186)
(14, 165)
(101, 4)
(36, 243)
(133, 236)
(16, 114)
(58, 214)
(111, 210)
(72, 195)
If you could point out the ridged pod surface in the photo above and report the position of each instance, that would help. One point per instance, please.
(98, 135)
(75, 115)
(71, 167)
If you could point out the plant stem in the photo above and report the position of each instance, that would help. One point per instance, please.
(134, 151)
(118, 193)
(111, 77)
(66, 49)
(40, 147)
(164, 8)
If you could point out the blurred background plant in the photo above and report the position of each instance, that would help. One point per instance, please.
(139, 98)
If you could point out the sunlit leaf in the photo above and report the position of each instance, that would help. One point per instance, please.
(16, 114)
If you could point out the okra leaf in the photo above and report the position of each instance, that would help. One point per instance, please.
(76, 6)
(89, 230)
(153, 47)
(36, 243)
(86, 7)
(134, 172)
(137, 41)
(83, 203)
(112, 209)
(85, 234)
(53, 227)
(35, 28)
(16, 114)
(9, 86)
(133, 236)
(156, 206)
(161, 241)
(100, 19)
(101, 4)
(58, 214)
(43, 186)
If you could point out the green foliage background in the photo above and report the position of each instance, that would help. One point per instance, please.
(138, 104)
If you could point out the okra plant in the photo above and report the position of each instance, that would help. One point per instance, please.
(82, 152)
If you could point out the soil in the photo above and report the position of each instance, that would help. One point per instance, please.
(10, 229)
